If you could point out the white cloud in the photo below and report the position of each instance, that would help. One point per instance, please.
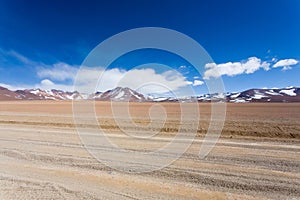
(87, 78)
(145, 80)
(44, 85)
(20, 57)
(10, 87)
(47, 82)
(167, 81)
(59, 71)
(198, 82)
(60, 76)
(265, 66)
(249, 66)
(16, 56)
(285, 64)
(274, 59)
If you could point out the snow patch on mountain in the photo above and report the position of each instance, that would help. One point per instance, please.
(271, 92)
(235, 95)
(289, 92)
(258, 96)
(119, 95)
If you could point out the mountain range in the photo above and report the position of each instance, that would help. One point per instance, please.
(289, 94)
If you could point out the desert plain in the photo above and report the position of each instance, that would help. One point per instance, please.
(43, 157)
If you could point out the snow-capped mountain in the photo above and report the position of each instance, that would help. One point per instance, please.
(119, 94)
(55, 94)
(289, 94)
(162, 99)
(37, 94)
(6, 94)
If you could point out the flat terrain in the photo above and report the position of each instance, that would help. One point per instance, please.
(42, 157)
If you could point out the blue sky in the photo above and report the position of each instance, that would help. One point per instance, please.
(253, 44)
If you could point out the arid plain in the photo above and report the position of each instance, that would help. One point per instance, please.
(257, 156)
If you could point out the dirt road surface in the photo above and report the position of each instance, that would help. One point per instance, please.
(42, 156)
